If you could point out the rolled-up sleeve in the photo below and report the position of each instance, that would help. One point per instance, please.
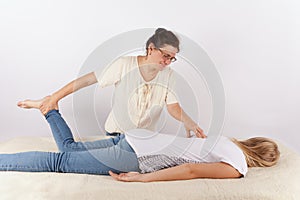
(111, 74)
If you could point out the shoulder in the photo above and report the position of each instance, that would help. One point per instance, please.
(212, 170)
(123, 62)
(230, 153)
(226, 143)
(125, 59)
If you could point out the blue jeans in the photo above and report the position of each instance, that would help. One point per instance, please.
(97, 157)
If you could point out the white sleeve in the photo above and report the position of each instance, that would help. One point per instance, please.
(111, 74)
(234, 156)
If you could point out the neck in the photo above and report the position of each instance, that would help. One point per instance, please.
(147, 68)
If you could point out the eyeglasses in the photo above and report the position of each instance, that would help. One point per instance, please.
(166, 56)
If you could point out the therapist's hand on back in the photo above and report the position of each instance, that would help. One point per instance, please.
(192, 126)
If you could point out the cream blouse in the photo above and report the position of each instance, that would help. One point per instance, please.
(136, 103)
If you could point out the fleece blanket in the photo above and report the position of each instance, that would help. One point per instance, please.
(279, 182)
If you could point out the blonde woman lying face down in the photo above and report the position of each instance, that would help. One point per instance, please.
(229, 158)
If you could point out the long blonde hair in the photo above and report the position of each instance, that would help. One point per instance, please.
(259, 151)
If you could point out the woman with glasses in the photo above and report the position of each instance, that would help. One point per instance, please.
(143, 85)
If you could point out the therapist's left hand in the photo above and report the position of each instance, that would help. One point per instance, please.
(196, 129)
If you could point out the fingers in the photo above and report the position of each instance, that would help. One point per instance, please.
(118, 177)
(44, 109)
(48, 104)
(200, 133)
(188, 133)
(195, 128)
(127, 177)
(115, 176)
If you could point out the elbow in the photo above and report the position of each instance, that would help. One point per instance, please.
(170, 108)
(174, 109)
(91, 79)
(189, 170)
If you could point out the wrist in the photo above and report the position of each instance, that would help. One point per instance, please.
(189, 123)
(55, 97)
(144, 178)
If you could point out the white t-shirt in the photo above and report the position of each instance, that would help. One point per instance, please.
(136, 103)
(157, 150)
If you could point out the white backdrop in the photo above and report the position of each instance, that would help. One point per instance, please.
(255, 46)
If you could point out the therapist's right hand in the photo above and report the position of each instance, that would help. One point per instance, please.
(195, 128)
(48, 103)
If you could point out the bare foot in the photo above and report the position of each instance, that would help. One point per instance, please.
(32, 103)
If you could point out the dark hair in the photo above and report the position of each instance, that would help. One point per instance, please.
(163, 37)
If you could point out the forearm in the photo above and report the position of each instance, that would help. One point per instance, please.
(178, 113)
(75, 85)
(181, 172)
(187, 171)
